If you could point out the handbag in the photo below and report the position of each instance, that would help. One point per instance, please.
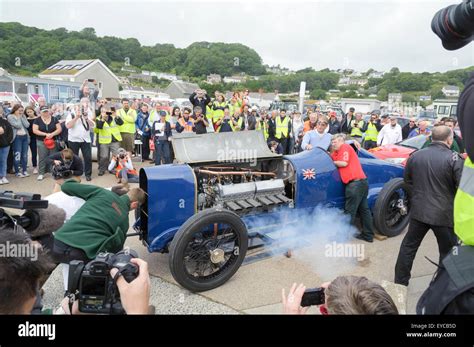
(151, 144)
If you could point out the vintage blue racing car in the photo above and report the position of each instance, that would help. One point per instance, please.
(201, 210)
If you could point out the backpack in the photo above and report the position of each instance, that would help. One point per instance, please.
(452, 289)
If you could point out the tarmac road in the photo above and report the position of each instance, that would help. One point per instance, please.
(256, 287)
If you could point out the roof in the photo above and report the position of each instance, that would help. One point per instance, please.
(191, 148)
(184, 87)
(72, 68)
(456, 88)
(26, 79)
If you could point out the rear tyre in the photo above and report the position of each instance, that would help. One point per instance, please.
(392, 208)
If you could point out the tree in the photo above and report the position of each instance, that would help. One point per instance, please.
(318, 94)
(382, 95)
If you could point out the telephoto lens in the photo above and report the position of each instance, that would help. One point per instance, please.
(454, 25)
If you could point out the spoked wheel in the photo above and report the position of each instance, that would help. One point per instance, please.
(208, 249)
(392, 208)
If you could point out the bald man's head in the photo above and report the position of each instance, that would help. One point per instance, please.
(442, 133)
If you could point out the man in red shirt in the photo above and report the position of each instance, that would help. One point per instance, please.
(356, 185)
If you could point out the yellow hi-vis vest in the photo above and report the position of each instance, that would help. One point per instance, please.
(129, 119)
(240, 121)
(357, 131)
(263, 127)
(281, 127)
(371, 133)
(464, 205)
(217, 115)
(106, 133)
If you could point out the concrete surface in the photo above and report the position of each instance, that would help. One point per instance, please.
(256, 287)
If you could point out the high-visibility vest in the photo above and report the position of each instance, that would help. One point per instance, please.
(263, 127)
(464, 205)
(231, 126)
(240, 120)
(371, 133)
(282, 127)
(107, 131)
(234, 107)
(155, 116)
(187, 128)
(129, 119)
(357, 131)
(217, 114)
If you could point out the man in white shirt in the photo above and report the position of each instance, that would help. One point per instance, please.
(79, 125)
(390, 134)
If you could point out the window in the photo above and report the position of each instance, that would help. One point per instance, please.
(443, 110)
(53, 93)
(71, 92)
(454, 109)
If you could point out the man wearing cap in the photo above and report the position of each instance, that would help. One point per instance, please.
(252, 119)
(107, 125)
(371, 131)
(346, 120)
(161, 130)
(46, 128)
(391, 133)
(355, 127)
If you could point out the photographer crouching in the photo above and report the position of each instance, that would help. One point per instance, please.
(122, 164)
(66, 165)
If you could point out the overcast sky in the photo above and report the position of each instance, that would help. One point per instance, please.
(295, 34)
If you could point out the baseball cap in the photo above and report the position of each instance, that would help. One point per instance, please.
(352, 109)
(332, 113)
(163, 113)
(44, 108)
(254, 108)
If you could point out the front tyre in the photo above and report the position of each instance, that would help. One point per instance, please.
(208, 249)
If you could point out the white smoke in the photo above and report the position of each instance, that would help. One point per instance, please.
(321, 238)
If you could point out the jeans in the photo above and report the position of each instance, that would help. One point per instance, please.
(3, 160)
(34, 151)
(10, 160)
(356, 202)
(162, 152)
(20, 153)
(43, 153)
(411, 242)
(104, 154)
(128, 177)
(86, 150)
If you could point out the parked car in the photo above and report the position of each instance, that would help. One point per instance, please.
(399, 152)
(206, 209)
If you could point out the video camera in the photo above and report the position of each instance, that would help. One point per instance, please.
(94, 287)
(455, 25)
(61, 171)
(29, 220)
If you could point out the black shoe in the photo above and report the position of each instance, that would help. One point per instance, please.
(101, 173)
(363, 238)
(88, 178)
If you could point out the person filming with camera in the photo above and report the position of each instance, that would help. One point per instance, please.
(66, 165)
(122, 164)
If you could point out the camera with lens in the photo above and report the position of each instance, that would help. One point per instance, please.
(30, 202)
(454, 25)
(61, 171)
(94, 287)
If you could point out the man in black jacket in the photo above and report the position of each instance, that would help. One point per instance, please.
(346, 119)
(408, 128)
(201, 99)
(433, 176)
